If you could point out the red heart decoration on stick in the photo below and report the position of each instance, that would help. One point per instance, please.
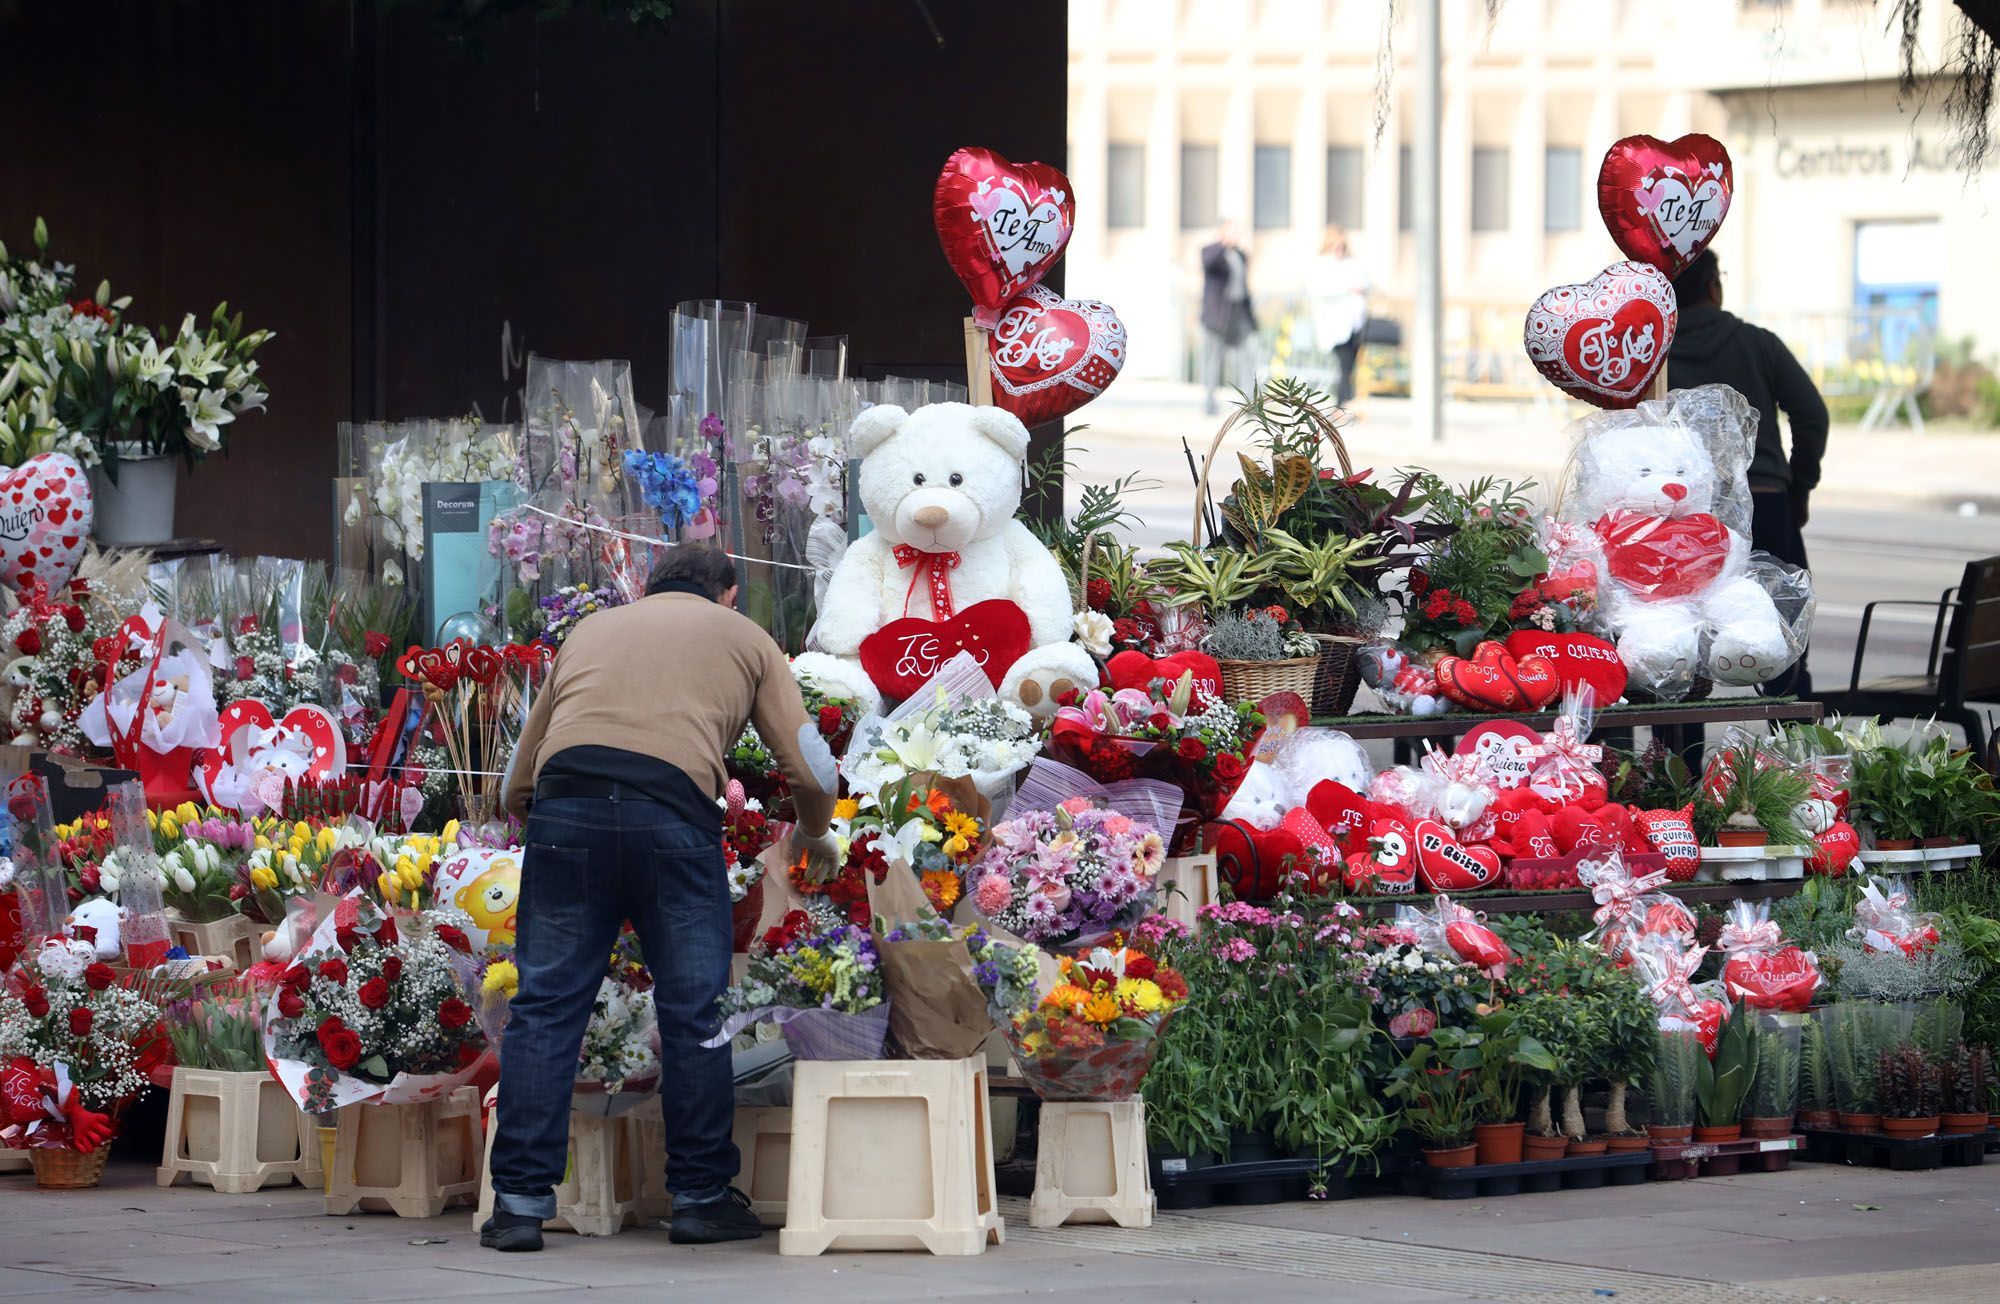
(904, 655)
(1050, 355)
(1002, 225)
(1445, 865)
(1664, 201)
(42, 542)
(1578, 659)
(1605, 340)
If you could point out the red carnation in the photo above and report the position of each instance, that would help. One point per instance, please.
(341, 1043)
(290, 1004)
(392, 968)
(374, 643)
(1140, 966)
(830, 720)
(1193, 749)
(80, 1020)
(1097, 594)
(374, 994)
(1229, 766)
(37, 1002)
(454, 1013)
(1171, 985)
(454, 937)
(1125, 631)
(334, 970)
(29, 641)
(386, 934)
(245, 669)
(99, 976)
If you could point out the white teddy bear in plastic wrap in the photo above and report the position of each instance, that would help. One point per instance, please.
(1663, 490)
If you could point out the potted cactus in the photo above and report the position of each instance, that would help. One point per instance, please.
(1774, 1092)
(1910, 1092)
(1968, 1078)
(1677, 1063)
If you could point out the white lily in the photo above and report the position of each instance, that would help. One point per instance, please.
(152, 366)
(206, 417)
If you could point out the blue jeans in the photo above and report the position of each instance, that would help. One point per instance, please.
(591, 864)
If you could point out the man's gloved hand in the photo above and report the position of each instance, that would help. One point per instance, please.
(822, 854)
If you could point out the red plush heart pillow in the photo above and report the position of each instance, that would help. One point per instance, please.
(1445, 865)
(1671, 833)
(1254, 861)
(1574, 828)
(1835, 850)
(1342, 812)
(1389, 866)
(1578, 659)
(1137, 670)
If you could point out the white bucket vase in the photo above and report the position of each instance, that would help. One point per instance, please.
(139, 509)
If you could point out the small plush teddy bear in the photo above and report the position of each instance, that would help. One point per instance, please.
(946, 567)
(1678, 589)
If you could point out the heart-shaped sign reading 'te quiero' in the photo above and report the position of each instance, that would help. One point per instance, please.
(1605, 340)
(1050, 355)
(1002, 225)
(1663, 202)
(904, 655)
(45, 515)
(1447, 866)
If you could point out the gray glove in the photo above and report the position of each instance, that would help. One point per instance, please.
(822, 854)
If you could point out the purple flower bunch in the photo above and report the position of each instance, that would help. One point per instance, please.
(569, 604)
(1067, 876)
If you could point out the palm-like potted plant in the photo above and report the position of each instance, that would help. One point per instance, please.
(1774, 1092)
(1722, 1083)
(1857, 1032)
(1968, 1079)
(1911, 1092)
(1756, 800)
(1816, 1103)
(1678, 1060)
(1330, 586)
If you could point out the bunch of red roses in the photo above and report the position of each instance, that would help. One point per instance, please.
(376, 1000)
(842, 899)
(65, 1010)
(1134, 626)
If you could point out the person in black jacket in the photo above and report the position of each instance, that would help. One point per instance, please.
(1227, 320)
(1713, 347)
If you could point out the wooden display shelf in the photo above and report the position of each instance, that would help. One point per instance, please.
(1504, 902)
(1666, 714)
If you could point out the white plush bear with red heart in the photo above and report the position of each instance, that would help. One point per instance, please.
(946, 567)
(1664, 491)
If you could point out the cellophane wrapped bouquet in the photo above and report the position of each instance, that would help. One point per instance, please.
(1093, 1035)
(620, 1056)
(1075, 861)
(1763, 969)
(936, 827)
(76, 1046)
(955, 728)
(376, 1008)
(823, 988)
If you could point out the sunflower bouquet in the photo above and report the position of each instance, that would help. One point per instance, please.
(935, 826)
(1093, 1035)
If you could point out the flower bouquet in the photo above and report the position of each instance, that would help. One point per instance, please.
(823, 988)
(935, 826)
(746, 836)
(373, 1010)
(58, 646)
(954, 728)
(1092, 1037)
(1075, 860)
(75, 1048)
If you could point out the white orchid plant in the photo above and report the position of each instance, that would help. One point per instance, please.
(77, 377)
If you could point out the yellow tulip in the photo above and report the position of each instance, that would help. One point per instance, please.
(328, 839)
(262, 843)
(386, 885)
(302, 830)
(152, 818)
(263, 877)
(450, 833)
(168, 827)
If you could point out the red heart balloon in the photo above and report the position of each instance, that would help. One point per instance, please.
(1137, 670)
(1578, 659)
(1605, 340)
(904, 655)
(1446, 866)
(1050, 355)
(1342, 813)
(1002, 225)
(1477, 944)
(1663, 202)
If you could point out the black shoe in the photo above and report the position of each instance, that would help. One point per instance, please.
(511, 1233)
(726, 1218)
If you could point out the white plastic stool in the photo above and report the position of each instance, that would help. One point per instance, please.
(1184, 885)
(890, 1155)
(236, 1132)
(602, 1190)
(410, 1160)
(764, 1140)
(238, 937)
(649, 1143)
(1091, 1167)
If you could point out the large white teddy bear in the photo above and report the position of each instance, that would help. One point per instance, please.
(946, 567)
(1679, 588)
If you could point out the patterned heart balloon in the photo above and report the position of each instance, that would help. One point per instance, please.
(1663, 202)
(1002, 225)
(1604, 341)
(1050, 355)
(45, 515)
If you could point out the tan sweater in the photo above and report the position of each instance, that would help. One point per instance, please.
(674, 677)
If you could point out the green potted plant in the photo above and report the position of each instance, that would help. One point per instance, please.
(1323, 1106)
(1259, 656)
(1214, 580)
(1756, 800)
(1885, 796)
(1774, 1092)
(1911, 1092)
(1678, 1060)
(1586, 1046)
(1505, 1053)
(1857, 1032)
(1968, 1080)
(1722, 1083)
(1816, 1104)
(1544, 1015)
(1440, 1102)
(1631, 1026)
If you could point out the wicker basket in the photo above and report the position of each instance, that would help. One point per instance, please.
(1338, 678)
(1250, 682)
(68, 1170)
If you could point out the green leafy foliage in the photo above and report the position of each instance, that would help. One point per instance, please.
(1722, 1082)
(1678, 1062)
(1774, 1093)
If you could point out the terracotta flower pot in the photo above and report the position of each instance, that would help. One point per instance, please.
(1585, 1149)
(1711, 1136)
(1534, 1149)
(1860, 1122)
(1963, 1124)
(1741, 838)
(1895, 844)
(1626, 1145)
(1499, 1143)
(1668, 1136)
(1768, 1127)
(1824, 1119)
(1993, 1119)
(1909, 1126)
(1942, 840)
(1454, 1157)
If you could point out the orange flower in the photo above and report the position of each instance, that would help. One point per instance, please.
(1100, 1009)
(939, 803)
(943, 889)
(1067, 998)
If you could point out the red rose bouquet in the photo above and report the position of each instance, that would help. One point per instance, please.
(75, 1047)
(375, 1009)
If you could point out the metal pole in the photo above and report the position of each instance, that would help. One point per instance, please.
(1427, 342)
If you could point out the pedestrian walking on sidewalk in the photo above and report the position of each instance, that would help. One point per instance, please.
(1227, 321)
(1713, 347)
(1337, 291)
(618, 775)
